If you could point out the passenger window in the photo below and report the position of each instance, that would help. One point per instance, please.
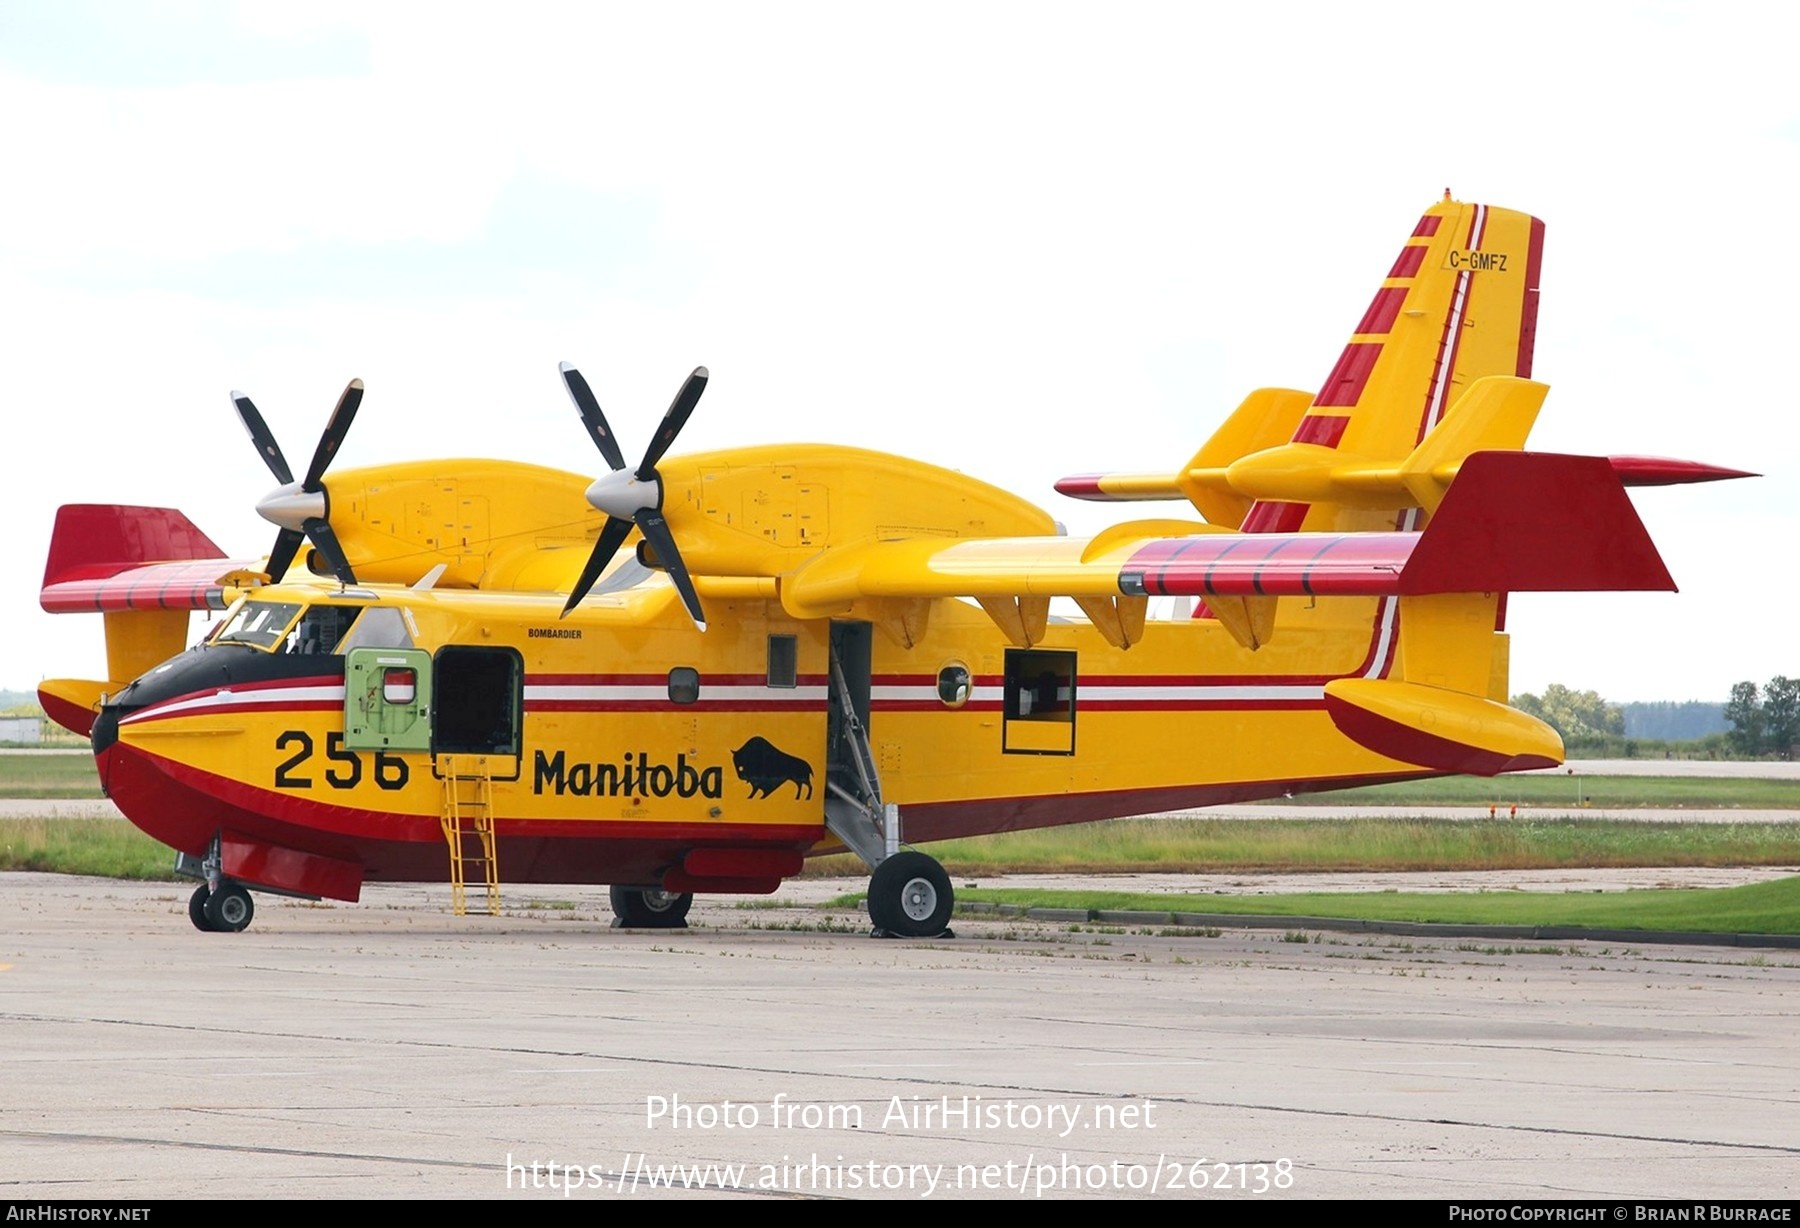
(954, 685)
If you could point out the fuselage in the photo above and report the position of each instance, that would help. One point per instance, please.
(619, 741)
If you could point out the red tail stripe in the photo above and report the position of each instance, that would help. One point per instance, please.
(1276, 518)
(1408, 263)
(1345, 384)
(1534, 262)
(1383, 310)
(1322, 429)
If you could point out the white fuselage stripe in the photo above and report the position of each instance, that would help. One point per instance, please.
(659, 693)
(283, 696)
(1441, 378)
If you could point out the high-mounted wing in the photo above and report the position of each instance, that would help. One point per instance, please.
(106, 557)
(1511, 522)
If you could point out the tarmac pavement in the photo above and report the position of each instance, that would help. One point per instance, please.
(391, 1050)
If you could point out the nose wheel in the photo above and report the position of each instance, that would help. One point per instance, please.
(910, 897)
(226, 911)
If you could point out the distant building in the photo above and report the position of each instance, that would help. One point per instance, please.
(27, 729)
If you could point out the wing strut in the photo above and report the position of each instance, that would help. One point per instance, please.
(856, 815)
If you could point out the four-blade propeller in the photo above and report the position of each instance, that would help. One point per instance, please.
(301, 509)
(629, 497)
(634, 496)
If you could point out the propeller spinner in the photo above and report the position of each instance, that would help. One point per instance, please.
(301, 509)
(634, 496)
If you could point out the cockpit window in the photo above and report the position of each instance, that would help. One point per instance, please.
(380, 627)
(280, 626)
(320, 629)
(259, 623)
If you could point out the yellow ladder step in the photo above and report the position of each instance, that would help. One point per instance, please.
(467, 813)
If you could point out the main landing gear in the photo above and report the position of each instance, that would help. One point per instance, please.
(225, 911)
(647, 908)
(909, 893)
(910, 897)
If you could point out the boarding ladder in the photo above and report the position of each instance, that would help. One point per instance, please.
(468, 820)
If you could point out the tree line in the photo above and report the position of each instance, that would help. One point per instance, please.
(1593, 728)
(1761, 721)
(1574, 714)
(1766, 721)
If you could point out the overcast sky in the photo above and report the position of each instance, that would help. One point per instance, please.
(1020, 240)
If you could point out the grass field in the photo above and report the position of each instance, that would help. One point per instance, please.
(110, 848)
(1193, 846)
(1759, 908)
(48, 776)
(1168, 846)
(1561, 792)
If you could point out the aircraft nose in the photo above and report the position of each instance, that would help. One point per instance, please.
(106, 729)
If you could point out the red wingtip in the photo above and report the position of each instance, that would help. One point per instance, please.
(95, 540)
(1662, 471)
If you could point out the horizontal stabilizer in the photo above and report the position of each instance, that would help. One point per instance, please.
(1512, 522)
(1120, 487)
(1495, 414)
(1264, 419)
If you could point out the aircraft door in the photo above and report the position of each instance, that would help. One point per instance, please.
(387, 699)
(478, 703)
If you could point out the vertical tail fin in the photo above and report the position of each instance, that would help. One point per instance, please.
(1458, 304)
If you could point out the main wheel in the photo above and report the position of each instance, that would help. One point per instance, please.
(642, 908)
(230, 908)
(197, 908)
(910, 896)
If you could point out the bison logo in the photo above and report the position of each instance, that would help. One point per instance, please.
(764, 767)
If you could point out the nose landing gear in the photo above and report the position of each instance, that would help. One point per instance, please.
(227, 910)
